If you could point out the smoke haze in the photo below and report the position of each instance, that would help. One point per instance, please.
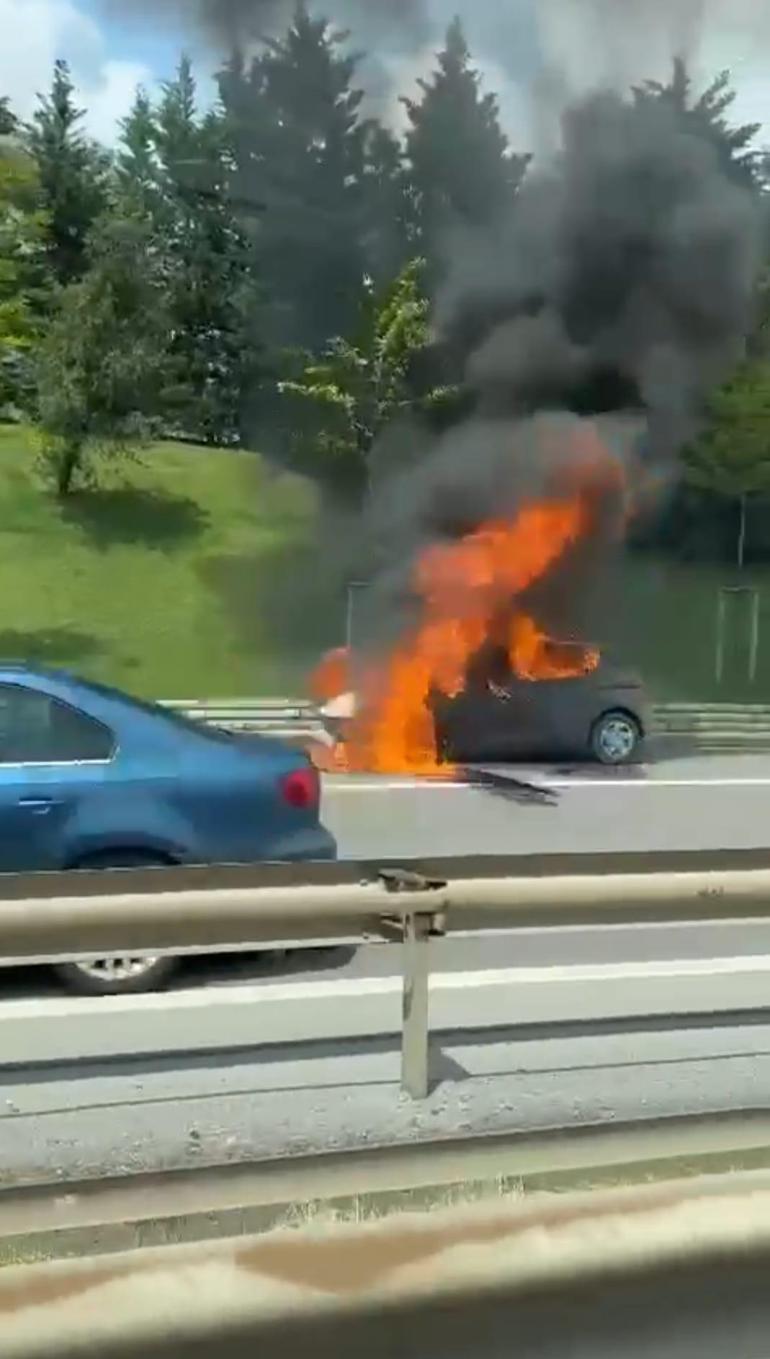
(539, 55)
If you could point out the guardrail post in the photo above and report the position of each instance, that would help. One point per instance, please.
(415, 1040)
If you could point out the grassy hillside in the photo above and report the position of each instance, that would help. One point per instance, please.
(189, 573)
(196, 573)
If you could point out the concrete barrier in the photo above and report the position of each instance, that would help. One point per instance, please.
(670, 1271)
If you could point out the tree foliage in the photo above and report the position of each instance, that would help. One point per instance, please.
(102, 363)
(73, 176)
(461, 166)
(706, 116)
(346, 398)
(23, 282)
(242, 272)
(176, 162)
(731, 459)
(298, 147)
(389, 236)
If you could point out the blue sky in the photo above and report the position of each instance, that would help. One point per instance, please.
(149, 43)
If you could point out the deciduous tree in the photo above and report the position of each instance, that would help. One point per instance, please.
(24, 287)
(102, 364)
(731, 459)
(344, 401)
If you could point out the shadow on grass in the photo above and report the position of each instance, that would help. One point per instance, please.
(283, 602)
(48, 646)
(127, 514)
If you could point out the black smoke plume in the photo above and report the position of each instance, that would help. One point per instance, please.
(608, 304)
(628, 267)
(225, 22)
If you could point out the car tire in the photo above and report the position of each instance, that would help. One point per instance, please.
(124, 976)
(615, 738)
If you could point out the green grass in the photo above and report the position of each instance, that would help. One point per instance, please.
(187, 573)
(664, 619)
(195, 573)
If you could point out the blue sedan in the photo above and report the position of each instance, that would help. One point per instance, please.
(92, 778)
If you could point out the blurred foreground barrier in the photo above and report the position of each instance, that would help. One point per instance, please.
(678, 1271)
(172, 911)
(711, 727)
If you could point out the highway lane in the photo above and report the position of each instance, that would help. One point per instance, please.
(697, 803)
(531, 948)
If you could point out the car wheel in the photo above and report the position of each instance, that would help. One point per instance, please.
(615, 738)
(117, 976)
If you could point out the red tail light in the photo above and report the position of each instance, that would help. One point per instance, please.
(301, 788)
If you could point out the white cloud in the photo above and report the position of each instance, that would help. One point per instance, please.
(37, 32)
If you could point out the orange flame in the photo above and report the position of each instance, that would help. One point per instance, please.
(533, 655)
(463, 589)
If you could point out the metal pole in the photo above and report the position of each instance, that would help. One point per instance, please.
(754, 648)
(720, 640)
(415, 1041)
(349, 618)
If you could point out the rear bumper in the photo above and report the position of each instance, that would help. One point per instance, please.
(315, 844)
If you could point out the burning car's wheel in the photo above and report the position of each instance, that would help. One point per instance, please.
(615, 738)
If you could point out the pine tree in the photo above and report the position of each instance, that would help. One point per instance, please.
(462, 169)
(298, 144)
(73, 174)
(8, 120)
(705, 116)
(136, 164)
(388, 212)
(173, 164)
(209, 275)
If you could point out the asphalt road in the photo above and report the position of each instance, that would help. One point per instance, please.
(697, 803)
(75, 1120)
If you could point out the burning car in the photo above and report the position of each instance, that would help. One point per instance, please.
(600, 715)
(590, 711)
(471, 674)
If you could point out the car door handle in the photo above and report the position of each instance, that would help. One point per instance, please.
(38, 804)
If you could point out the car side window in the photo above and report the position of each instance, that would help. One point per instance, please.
(38, 729)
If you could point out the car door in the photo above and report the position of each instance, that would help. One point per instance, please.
(491, 721)
(517, 717)
(51, 756)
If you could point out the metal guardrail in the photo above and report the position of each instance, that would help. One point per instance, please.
(709, 726)
(67, 917)
(284, 716)
(714, 727)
